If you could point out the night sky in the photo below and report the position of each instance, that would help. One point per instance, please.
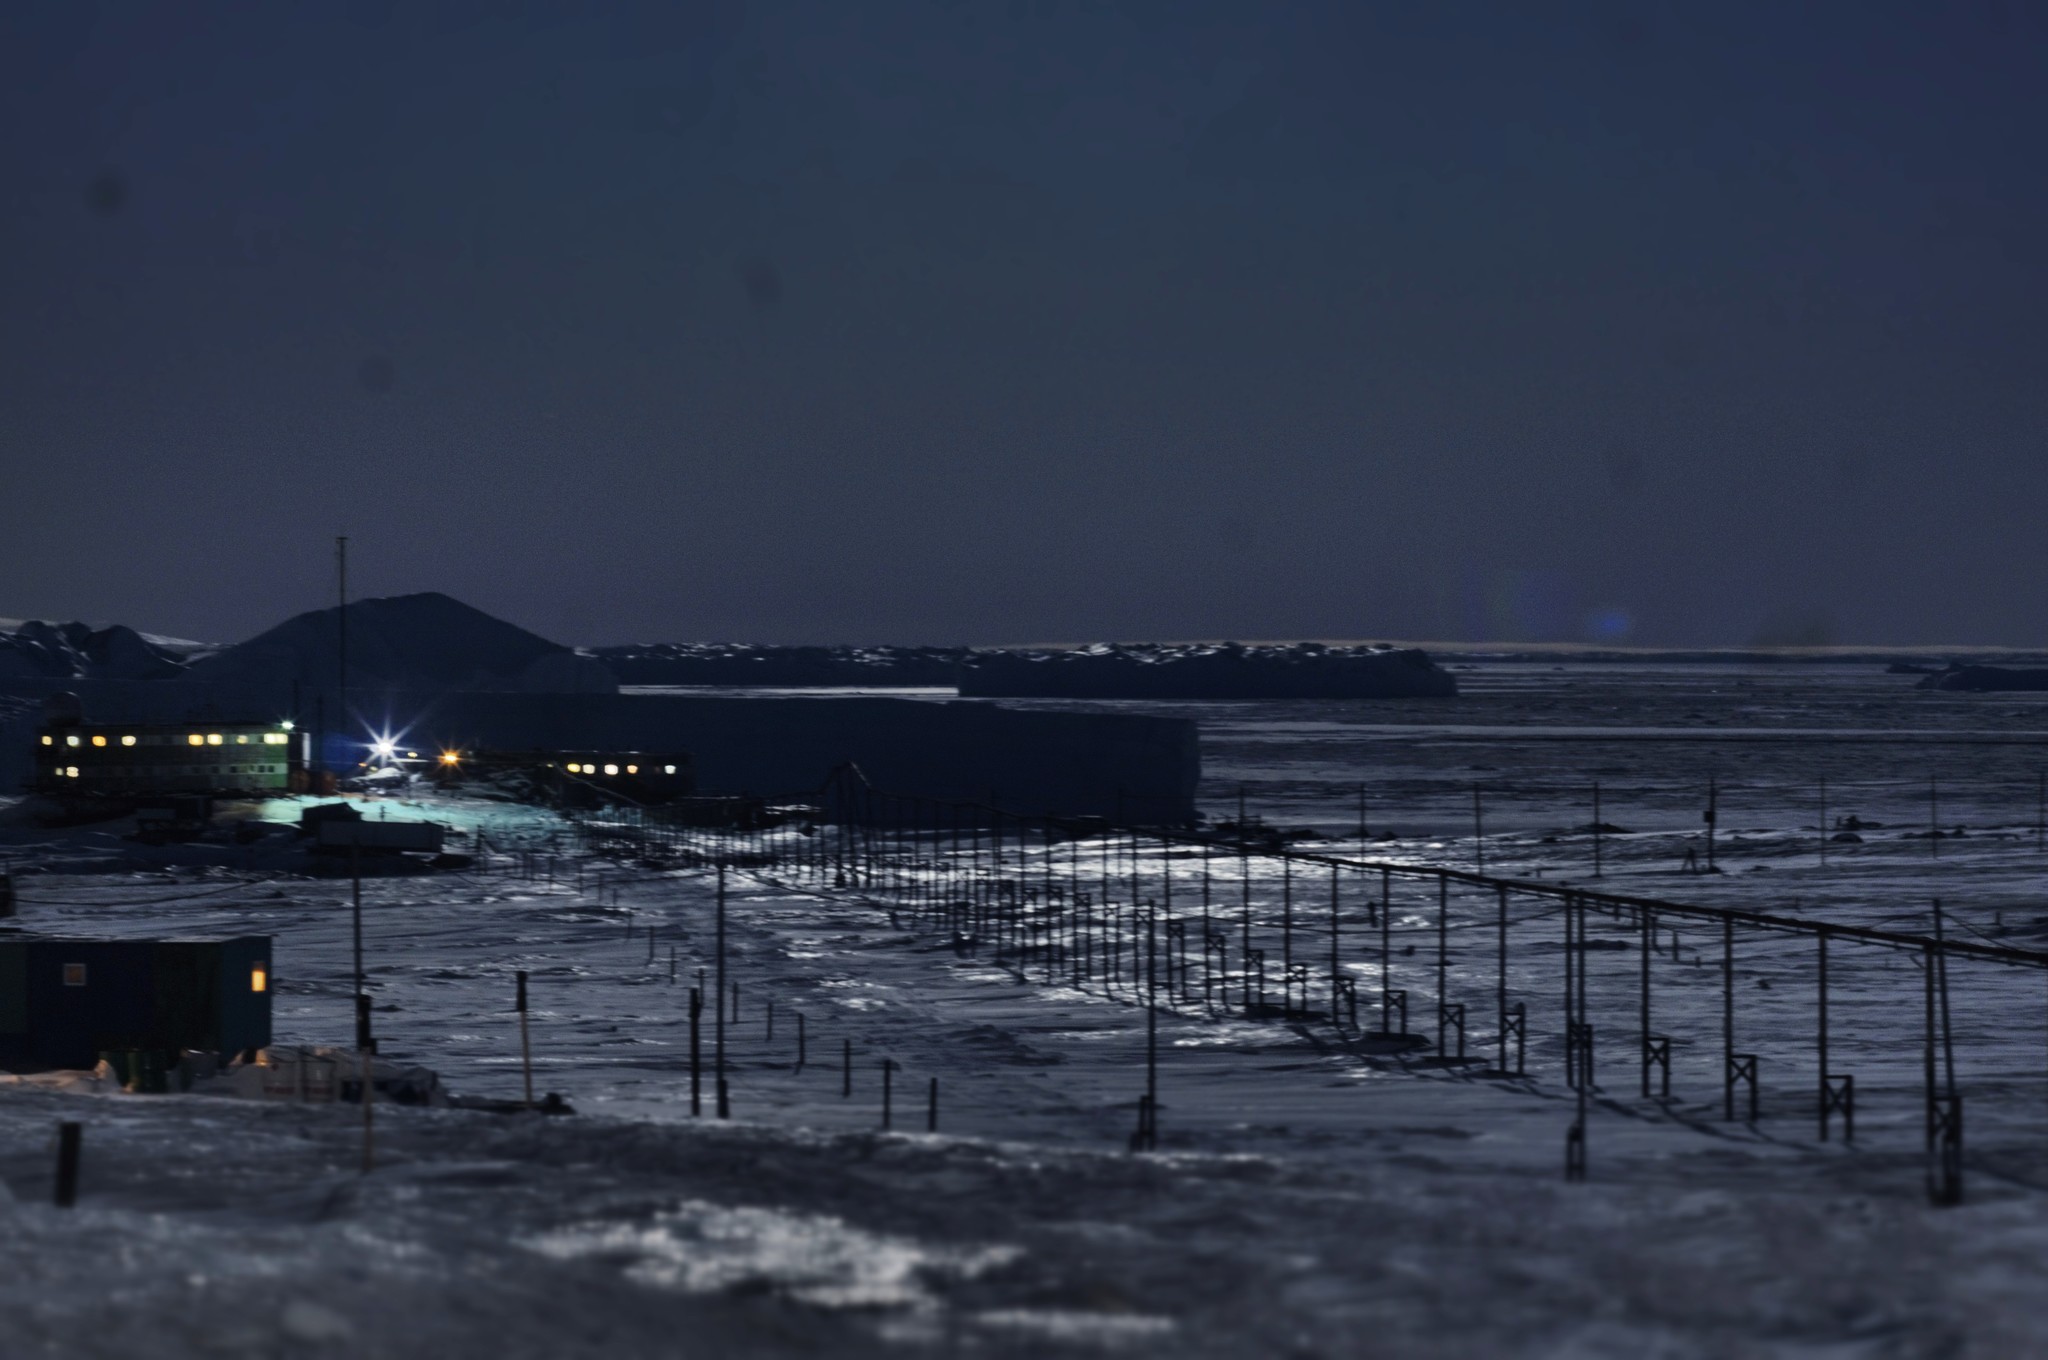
(959, 322)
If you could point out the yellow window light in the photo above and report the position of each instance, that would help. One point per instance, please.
(259, 978)
(632, 769)
(668, 769)
(213, 738)
(195, 739)
(71, 771)
(71, 741)
(611, 769)
(241, 738)
(49, 740)
(127, 741)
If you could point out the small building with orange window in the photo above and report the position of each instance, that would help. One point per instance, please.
(68, 1003)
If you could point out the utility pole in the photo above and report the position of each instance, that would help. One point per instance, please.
(341, 624)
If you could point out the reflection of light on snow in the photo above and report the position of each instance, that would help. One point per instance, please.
(1076, 1327)
(711, 1248)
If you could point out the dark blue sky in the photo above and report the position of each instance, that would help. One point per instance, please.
(1013, 322)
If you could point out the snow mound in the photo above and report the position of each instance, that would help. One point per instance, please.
(427, 641)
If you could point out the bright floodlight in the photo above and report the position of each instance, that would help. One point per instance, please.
(450, 758)
(384, 748)
(286, 724)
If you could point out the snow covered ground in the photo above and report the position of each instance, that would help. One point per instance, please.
(1309, 1198)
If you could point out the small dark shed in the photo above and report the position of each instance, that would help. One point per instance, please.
(65, 1002)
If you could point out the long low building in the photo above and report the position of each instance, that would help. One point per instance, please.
(1130, 766)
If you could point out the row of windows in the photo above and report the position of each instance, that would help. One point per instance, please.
(576, 767)
(190, 739)
(150, 771)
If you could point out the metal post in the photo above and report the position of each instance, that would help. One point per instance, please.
(1443, 955)
(696, 1051)
(1500, 987)
(1823, 824)
(1478, 831)
(1151, 1027)
(1713, 819)
(1244, 866)
(888, 1069)
(1286, 911)
(1821, 939)
(355, 865)
(718, 1028)
(368, 1054)
(1387, 953)
(1649, 934)
(69, 1137)
(525, 1043)
(1336, 970)
(1728, 1018)
(1596, 828)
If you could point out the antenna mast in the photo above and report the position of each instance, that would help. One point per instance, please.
(341, 591)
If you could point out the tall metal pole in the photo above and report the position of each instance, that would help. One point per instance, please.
(341, 624)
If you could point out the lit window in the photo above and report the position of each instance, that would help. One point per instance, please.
(259, 978)
(196, 740)
(99, 741)
(49, 740)
(72, 771)
(611, 769)
(213, 738)
(668, 769)
(74, 975)
(241, 738)
(71, 741)
(127, 741)
(632, 769)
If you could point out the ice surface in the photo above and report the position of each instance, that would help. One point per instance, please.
(1309, 1198)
